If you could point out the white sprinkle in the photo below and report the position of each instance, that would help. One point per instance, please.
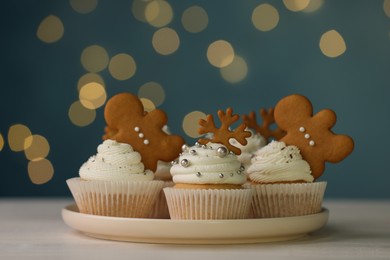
(146, 141)
(307, 136)
(312, 143)
(136, 129)
(302, 129)
(141, 135)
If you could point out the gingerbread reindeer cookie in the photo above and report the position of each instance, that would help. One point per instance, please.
(223, 134)
(265, 128)
(312, 134)
(127, 122)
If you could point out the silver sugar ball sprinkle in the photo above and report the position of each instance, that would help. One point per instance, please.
(231, 152)
(204, 146)
(192, 152)
(242, 168)
(173, 162)
(197, 144)
(231, 174)
(198, 174)
(221, 175)
(185, 147)
(185, 163)
(222, 151)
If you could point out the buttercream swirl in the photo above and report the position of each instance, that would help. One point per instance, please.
(277, 162)
(204, 165)
(254, 143)
(115, 161)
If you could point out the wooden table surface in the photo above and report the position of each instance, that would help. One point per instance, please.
(33, 229)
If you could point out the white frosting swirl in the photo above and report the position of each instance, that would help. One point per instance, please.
(277, 162)
(115, 161)
(255, 142)
(206, 167)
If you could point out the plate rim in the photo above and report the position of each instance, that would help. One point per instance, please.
(71, 217)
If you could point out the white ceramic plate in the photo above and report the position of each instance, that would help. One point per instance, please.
(194, 231)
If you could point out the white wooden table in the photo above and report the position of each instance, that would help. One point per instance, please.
(33, 229)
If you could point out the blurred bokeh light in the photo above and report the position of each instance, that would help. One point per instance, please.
(165, 41)
(265, 17)
(190, 123)
(195, 19)
(122, 66)
(51, 29)
(94, 58)
(62, 61)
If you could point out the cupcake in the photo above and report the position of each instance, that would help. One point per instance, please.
(119, 180)
(283, 183)
(208, 177)
(284, 173)
(114, 183)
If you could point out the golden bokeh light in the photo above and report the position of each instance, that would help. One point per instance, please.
(83, 6)
(1, 142)
(94, 58)
(296, 5)
(313, 6)
(36, 147)
(190, 123)
(158, 13)
(92, 95)
(386, 7)
(50, 29)
(122, 66)
(17, 134)
(236, 71)
(220, 53)
(265, 17)
(138, 8)
(195, 19)
(148, 104)
(40, 171)
(152, 91)
(89, 78)
(165, 41)
(332, 44)
(80, 115)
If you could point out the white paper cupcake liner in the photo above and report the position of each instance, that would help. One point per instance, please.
(160, 209)
(194, 204)
(287, 200)
(133, 199)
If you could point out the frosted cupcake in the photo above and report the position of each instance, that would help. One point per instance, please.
(114, 183)
(208, 178)
(283, 183)
(283, 174)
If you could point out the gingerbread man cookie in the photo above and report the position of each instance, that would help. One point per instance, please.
(311, 134)
(127, 122)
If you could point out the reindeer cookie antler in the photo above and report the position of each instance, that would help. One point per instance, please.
(265, 128)
(312, 134)
(223, 134)
(127, 122)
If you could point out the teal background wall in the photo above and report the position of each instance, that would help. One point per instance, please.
(39, 80)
